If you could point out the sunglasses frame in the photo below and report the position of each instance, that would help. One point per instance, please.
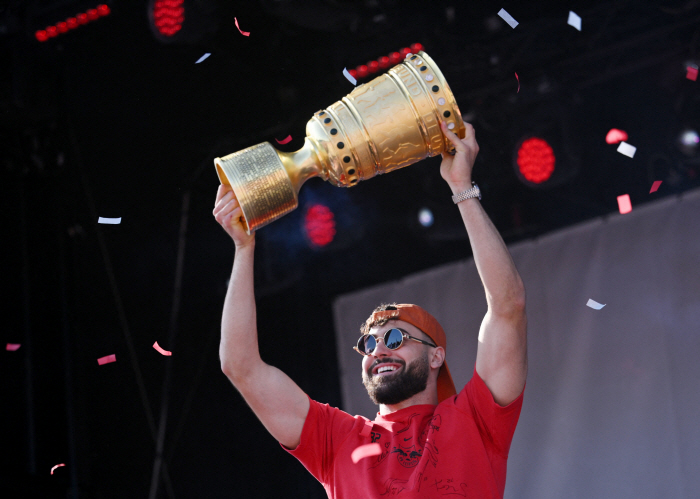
(404, 336)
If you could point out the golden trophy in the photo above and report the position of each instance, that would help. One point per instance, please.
(388, 123)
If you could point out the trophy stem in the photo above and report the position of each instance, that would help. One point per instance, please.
(309, 161)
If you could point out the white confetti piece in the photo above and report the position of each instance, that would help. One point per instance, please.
(626, 149)
(202, 58)
(113, 221)
(349, 76)
(594, 304)
(364, 451)
(574, 20)
(507, 18)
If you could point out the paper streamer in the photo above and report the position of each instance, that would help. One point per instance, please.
(626, 149)
(614, 136)
(364, 451)
(57, 466)
(507, 18)
(574, 20)
(516, 77)
(107, 359)
(113, 221)
(202, 58)
(285, 141)
(349, 76)
(655, 186)
(692, 73)
(624, 203)
(12, 347)
(244, 33)
(594, 304)
(158, 347)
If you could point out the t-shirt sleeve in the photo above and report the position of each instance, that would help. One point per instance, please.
(496, 423)
(325, 429)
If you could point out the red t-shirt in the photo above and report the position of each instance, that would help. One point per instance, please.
(457, 448)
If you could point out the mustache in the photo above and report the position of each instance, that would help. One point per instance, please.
(385, 361)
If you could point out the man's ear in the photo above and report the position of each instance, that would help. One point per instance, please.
(437, 358)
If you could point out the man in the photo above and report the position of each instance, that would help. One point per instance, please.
(429, 440)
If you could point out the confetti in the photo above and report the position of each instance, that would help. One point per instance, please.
(626, 149)
(285, 141)
(574, 20)
(594, 304)
(614, 136)
(57, 466)
(160, 349)
(244, 33)
(507, 18)
(114, 221)
(349, 76)
(516, 77)
(624, 203)
(692, 73)
(655, 186)
(202, 58)
(12, 347)
(107, 359)
(364, 451)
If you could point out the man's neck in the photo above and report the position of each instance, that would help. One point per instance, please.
(426, 397)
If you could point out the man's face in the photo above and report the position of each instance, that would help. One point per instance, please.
(410, 364)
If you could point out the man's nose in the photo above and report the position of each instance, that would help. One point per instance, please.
(381, 349)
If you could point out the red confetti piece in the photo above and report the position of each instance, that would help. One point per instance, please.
(12, 347)
(516, 77)
(107, 359)
(655, 186)
(615, 136)
(57, 466)
(692, 73)
(624, 203)
(244, 33)
(285, 141)
(364, 451)
(158, 347)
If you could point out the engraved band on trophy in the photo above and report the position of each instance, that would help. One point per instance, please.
(388, 123)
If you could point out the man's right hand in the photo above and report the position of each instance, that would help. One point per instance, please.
(228, 213)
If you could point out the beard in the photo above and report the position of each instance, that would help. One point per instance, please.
(392, 389)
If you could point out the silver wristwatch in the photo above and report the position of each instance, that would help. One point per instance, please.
(474, 192)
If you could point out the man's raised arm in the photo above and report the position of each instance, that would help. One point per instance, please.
(276, 400)
(501, 358)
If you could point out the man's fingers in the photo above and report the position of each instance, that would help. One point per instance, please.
(221, 192)
(452, 137)
(224, 201)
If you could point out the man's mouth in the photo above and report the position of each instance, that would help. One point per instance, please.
(385, 369)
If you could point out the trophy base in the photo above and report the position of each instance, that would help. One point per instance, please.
(260, 182)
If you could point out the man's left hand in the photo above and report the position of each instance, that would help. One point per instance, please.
(457, 169)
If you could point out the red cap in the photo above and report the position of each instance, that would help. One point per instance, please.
(418, 317)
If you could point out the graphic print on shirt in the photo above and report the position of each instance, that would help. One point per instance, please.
(375, 436)
(408, 458)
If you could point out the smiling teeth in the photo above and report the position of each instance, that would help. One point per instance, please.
(384, 369)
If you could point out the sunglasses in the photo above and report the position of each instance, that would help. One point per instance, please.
(393, 339)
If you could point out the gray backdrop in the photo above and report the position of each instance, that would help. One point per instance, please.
(612, 404)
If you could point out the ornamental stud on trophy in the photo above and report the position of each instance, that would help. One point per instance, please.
(383, 125)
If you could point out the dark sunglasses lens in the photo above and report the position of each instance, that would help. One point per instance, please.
(393, 339)
(367, 344)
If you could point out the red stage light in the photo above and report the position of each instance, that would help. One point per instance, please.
(319, 224)
(168, 16)
(416, 47)
(394, 58)
(405, 51)
(384, 62)
(72, 22)
(536, 160)
(373, 66)
(362, 71)
(353, 73)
